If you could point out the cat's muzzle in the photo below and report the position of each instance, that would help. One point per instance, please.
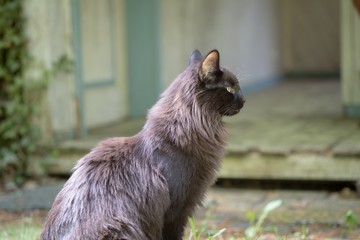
(235, 107)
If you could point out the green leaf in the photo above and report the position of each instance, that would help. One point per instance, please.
(251, 232)
(251, 216)
(221, 231)
(272, 205)
(255, 228)
(350, 219)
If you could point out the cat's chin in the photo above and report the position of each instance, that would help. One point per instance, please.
(231, 113)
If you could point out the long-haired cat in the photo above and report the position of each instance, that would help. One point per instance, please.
(146, 186)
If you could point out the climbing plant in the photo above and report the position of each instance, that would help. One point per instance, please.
(16, 132)
(19, 93)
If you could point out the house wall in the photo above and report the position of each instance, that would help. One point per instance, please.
(100, 46)
(246, 32)
(311, 36)
(50, 29)
(121, 61)
(49, 33)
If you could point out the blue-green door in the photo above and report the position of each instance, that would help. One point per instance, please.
(143, 24)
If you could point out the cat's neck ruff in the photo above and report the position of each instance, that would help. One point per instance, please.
(189, 127)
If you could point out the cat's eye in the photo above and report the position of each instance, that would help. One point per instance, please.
(230, 90)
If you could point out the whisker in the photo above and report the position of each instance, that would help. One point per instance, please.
(241, 75)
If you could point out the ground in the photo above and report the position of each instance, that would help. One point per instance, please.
(301, 215)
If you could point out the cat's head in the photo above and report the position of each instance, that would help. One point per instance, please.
(220, 86)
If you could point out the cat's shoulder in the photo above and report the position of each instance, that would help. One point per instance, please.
(110, 149)
(116, 142)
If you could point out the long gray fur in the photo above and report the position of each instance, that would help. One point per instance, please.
(146, 186)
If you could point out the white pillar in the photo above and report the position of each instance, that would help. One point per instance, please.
(350, 59)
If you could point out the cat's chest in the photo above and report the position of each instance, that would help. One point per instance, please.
(186, 175)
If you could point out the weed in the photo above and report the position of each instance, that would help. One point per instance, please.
(201, 231)
(350, 221)
(303, 235)
(256, 227)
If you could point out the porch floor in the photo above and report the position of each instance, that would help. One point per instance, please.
(294, 130)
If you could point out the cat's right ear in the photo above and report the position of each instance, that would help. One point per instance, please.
(210, 68)
(195, 57)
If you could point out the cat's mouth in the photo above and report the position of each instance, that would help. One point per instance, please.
(232, 112)
(234, 109)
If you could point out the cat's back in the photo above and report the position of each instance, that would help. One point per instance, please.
(116, 149)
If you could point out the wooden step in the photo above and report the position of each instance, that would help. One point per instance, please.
(254, 165)
(292, 131)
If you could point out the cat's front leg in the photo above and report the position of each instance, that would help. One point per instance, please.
(174, 230)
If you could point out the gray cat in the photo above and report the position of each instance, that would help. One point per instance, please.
(146, 186)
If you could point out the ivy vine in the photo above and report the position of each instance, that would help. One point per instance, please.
(16, 132)
(19, 136)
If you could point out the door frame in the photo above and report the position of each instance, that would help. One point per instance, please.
(80, 85)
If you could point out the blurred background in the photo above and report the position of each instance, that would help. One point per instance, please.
(73, 72)
(76, 71)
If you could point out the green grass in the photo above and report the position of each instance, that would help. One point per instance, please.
(23, 229)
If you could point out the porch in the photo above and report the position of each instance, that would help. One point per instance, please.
(292, 131)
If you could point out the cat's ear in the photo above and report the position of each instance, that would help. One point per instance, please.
(195, 57)
(210, 67)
